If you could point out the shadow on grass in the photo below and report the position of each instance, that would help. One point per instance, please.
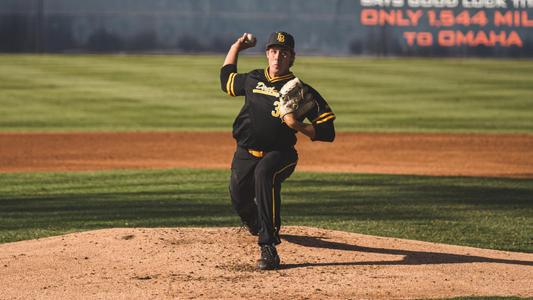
(113, 209)
(410, 257)
(486, 212)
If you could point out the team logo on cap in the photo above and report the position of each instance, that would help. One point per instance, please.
(281, 37)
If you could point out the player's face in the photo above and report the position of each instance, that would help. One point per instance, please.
(279, 60)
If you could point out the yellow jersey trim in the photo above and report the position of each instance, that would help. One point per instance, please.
(323, 115)
(280, 78)
(229, 84)
(332, 117)
(232, 86)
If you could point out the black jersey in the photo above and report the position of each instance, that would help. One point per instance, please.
(258, 125)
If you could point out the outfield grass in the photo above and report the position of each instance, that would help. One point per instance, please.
(111, 93)
(480, 212)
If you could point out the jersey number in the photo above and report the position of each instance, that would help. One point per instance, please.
(275, 113)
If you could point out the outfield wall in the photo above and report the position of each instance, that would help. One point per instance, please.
(496, 28)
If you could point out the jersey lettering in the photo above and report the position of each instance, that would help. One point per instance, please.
(261, 88)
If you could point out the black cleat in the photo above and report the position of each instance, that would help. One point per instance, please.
(269, 258)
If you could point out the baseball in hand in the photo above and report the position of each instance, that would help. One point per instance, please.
(250, 39)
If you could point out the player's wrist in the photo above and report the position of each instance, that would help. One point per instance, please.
(238, 44)
(289, 119)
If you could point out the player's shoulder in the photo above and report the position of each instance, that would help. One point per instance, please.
(256, 74)
(316, 95)
(251, 72)
(307, 85)
(309, 88)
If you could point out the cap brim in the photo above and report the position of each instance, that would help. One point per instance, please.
(279, 45)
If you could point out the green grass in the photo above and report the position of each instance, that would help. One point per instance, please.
(481, 212)
(112, 93)
(488, 298)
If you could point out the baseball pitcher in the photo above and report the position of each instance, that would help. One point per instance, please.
(276, 103)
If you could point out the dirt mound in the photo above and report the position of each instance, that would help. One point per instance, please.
(220, 263)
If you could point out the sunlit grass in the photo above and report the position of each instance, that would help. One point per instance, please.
(124, 93)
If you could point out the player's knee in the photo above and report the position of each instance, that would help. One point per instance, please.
(262, 173)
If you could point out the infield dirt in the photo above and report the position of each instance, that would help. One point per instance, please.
(509, 155)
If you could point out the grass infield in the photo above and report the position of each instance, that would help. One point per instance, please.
(125, 93)
(480, 212)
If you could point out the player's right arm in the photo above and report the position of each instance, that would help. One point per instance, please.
(230, 81)
(322, 119)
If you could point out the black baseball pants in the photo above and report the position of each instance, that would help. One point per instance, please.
(260, 178)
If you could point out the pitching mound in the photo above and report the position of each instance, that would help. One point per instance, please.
(220, 263)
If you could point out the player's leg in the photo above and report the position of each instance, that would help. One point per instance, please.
(242, 191)
(279, 178)
(269, 173)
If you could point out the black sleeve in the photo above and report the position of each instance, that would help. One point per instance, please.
(231, 82)
(322, 118)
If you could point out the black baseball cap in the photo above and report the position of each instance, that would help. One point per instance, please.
(282, 39)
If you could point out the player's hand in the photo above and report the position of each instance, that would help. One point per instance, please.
(290, 120)
(245, 42)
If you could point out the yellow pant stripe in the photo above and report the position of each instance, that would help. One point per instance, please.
(274, 192)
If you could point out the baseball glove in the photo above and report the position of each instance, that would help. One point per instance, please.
(294, 98)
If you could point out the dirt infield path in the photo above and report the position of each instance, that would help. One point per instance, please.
(186, 263)
(421, 154)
